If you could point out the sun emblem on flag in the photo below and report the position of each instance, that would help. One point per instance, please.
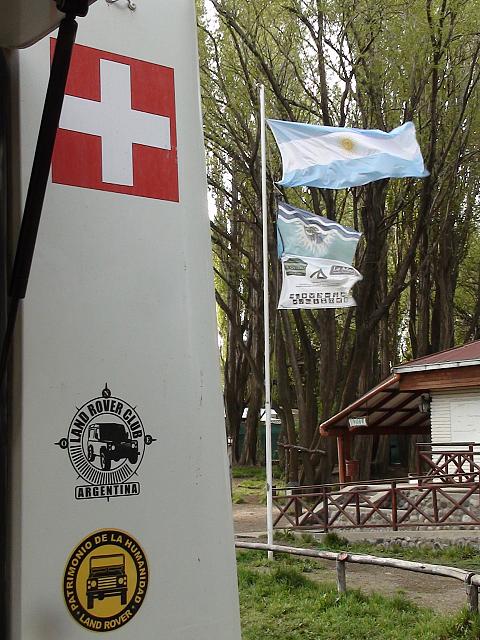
(347, 144)
(312, 239)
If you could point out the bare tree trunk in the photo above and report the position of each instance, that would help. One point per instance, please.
(285, 405)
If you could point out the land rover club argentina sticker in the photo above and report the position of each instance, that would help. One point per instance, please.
(105, 581)
(106, 443)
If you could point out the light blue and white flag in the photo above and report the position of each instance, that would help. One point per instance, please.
(301, 233)
(337, 158)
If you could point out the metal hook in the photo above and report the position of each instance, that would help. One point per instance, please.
(131, 5)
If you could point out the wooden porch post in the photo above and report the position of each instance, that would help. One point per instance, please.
(347, 447)
(341, 459)
(347, 439)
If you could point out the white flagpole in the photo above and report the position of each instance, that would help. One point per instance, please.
(266, 324)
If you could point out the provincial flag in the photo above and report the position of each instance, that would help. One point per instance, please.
(337, 157)
(302, 233)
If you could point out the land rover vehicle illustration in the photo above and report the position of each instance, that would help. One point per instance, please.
(110, 441)
(106, 578)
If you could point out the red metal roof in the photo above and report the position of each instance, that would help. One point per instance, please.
(387, 407)
(469, 351)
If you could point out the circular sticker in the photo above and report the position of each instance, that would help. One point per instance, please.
(106, 443)
(106, 440)
(105, 580)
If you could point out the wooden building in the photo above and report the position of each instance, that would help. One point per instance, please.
(437, 396)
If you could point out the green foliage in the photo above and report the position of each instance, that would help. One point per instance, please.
(278, 601)
(463, 625)
(254, 473)
(288, 537)
(249, 472)
(253, 487)
(333, 541)
(249, 491)
(345, 63)
(464, 556)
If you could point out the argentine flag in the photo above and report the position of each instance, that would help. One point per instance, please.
(337, 158)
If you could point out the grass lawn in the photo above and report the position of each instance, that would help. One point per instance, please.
(252, 491)
(252, 473)
(249, 484)
(462, 556)
(280, 602)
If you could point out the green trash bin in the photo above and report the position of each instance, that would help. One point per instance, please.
(276, 430)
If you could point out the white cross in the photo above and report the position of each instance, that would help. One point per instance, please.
(114, 120)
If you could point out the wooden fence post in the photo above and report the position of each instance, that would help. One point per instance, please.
(417, 451)
(472, 594)
(394, 507)
(298, 510)
(341, 572)
(325, 510)
(467, 578)
(357, 509)
(435, 505)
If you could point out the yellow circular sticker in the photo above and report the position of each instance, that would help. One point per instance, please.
(106, 579)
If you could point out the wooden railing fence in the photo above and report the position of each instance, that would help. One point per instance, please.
(395, 504)
(439, 461)
(470, 579)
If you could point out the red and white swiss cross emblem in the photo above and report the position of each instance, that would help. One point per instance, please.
(117, 131)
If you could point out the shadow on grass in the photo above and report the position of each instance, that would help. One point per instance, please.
(279, 601)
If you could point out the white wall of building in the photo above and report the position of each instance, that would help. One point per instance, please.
(455, 415)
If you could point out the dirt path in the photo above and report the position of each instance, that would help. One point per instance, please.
(441, 594)
(249, 518)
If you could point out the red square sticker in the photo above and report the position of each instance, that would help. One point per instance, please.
(117, 130)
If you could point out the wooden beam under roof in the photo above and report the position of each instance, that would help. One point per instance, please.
(394, 410)
(390, 430)
(448, 378)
